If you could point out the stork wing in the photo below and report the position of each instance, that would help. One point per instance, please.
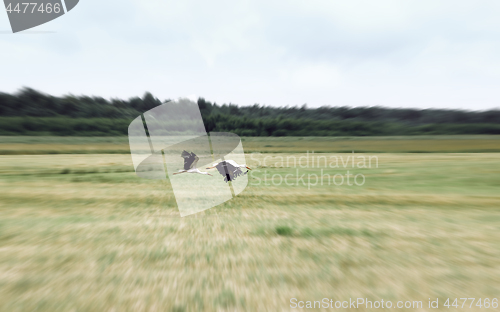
(195, 161)
(231, 173)
(190, 160)
(237, 173)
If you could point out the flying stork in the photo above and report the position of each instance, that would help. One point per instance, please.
(190, 161)
(229, 169)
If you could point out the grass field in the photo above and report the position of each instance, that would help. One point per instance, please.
(83, 233)
(26, 145)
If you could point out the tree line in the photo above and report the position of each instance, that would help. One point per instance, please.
(30, 112)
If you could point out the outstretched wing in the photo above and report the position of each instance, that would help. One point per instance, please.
(228, 171)
(195, 160)
(238, 172)
(190, 160)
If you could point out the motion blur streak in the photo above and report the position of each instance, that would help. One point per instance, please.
(82, 232)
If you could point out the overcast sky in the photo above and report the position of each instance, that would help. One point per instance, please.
(320, 52)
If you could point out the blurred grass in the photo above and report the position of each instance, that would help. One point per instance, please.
(83, 233)
(40, 145)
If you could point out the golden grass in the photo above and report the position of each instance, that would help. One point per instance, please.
(82, 233)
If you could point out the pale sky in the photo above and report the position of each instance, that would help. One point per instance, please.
(421, 54)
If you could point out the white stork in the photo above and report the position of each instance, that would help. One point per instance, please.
(190, 161)
(229, 169)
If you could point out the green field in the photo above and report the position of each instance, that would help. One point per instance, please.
(80, 232)
(40, 145)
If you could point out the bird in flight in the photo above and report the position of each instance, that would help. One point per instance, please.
(229, 169)
(190, 161)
